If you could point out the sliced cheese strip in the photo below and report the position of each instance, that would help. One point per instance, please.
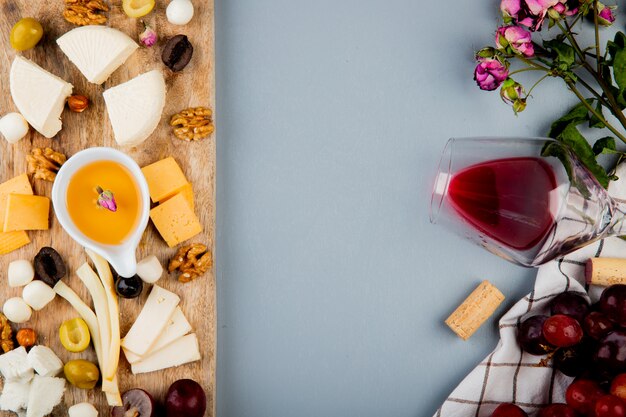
(182, 351)
(11, 241)
(151, 322)
(39, 95)
(177, 328)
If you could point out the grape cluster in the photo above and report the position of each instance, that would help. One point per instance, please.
(587, 342)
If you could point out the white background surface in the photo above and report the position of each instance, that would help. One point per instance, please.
(333, 286)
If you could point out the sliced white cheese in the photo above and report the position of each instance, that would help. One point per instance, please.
(135, 107)
(14, 396)
(178, 327)
(97, 51)
(82, 410)
(14, 365)
(39, 95)
(152, 320)
(45, 393)
(182, 351)
(44, 361)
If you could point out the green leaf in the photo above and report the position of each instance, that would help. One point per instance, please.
(565, 55)
(577, 115)
(571, 137)
(619, 69)
(604, 145)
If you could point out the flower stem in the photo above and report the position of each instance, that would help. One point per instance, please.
(537, 83)
(525, 70)
(597, 35)
(594, 92)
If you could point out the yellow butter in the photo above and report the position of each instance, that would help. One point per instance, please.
(11, 241)
(187, 193)
(26, 212)
(175, 220)
(164, 178)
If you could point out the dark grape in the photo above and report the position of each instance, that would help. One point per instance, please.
(562, 331)
(610, 354)
(597, 324)
(530, 336)
(613, 303)
(129, 287)
(582, 395)
(557, 410)
(571, 304)
(610, 406)
(508, 410)
(574, 360)
(618, 386)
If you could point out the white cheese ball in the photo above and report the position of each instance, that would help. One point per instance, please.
(16, 310)
(37, 294)
(179, 12)
(20, 273)
(149, 269)
(82, 410)
(13, 127)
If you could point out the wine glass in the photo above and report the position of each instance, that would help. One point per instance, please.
(524, 207)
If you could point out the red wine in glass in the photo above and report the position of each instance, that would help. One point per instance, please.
(526, 208)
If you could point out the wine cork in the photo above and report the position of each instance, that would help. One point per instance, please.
(605, 271)
(475, 310)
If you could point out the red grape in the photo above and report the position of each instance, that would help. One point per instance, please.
(613, 303)
(530, 336)
(562, 331)
(582, 394)
(610, 406)
(571, 304)
(597, 324)
(508, 410)
(618, 386)
(610, 354)
(557, 410)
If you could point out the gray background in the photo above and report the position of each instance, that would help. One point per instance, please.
(332, 284)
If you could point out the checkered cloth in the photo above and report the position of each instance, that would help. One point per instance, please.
(509, 375)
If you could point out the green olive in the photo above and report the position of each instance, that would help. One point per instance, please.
(26, 34)
(81, 373)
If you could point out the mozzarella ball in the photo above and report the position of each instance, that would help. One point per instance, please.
(16, 310)
(38, 294)
(82, 410)
(20, 273)
(179, 12)
(13, 127)
(149, 269)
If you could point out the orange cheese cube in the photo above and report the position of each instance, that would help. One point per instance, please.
(175, 220)
(26, 212)
(187, 192)
(13, 240)
(164, 178)
(17, 185)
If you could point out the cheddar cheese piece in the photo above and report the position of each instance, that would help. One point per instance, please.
(175, 220)
(187, 192)
(11, 241)
(164, 178)
(26, 212)
(17, 185)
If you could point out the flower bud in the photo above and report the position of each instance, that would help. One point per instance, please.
(606, 14)
(490, 73)
(516, 40)
(513, 93)
(148, 37)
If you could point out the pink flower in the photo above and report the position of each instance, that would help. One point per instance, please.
(106, 199)
(515, 39)
(606, 14)
(490, 73)
(532, 13)
(148, 37)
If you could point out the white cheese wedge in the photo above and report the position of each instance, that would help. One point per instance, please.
(182, 351)
(97, 51)
(39, 95)
(44, 361)
(152, 320)
(135, 107)
(14, 365)
(178, 327)
(14, 396)
(45, 393)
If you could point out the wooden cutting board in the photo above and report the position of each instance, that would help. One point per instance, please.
(194, 86)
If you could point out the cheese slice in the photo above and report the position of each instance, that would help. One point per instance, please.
(17, 185)
(182, 351)
(13, 240)
(165, 179)
(152, 320)
(187, 193)
(175, 220)
(97, 51)
(26, 212)
(39, 95)
(135, 107)
(178, 327)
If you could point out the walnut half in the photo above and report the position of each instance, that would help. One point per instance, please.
(6, 334)
(85, 12)
(193, 123)
(191, 261)
(45, 163)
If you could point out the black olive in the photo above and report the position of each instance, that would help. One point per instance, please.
(129, 287)
(49, 266)
(177, 53)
